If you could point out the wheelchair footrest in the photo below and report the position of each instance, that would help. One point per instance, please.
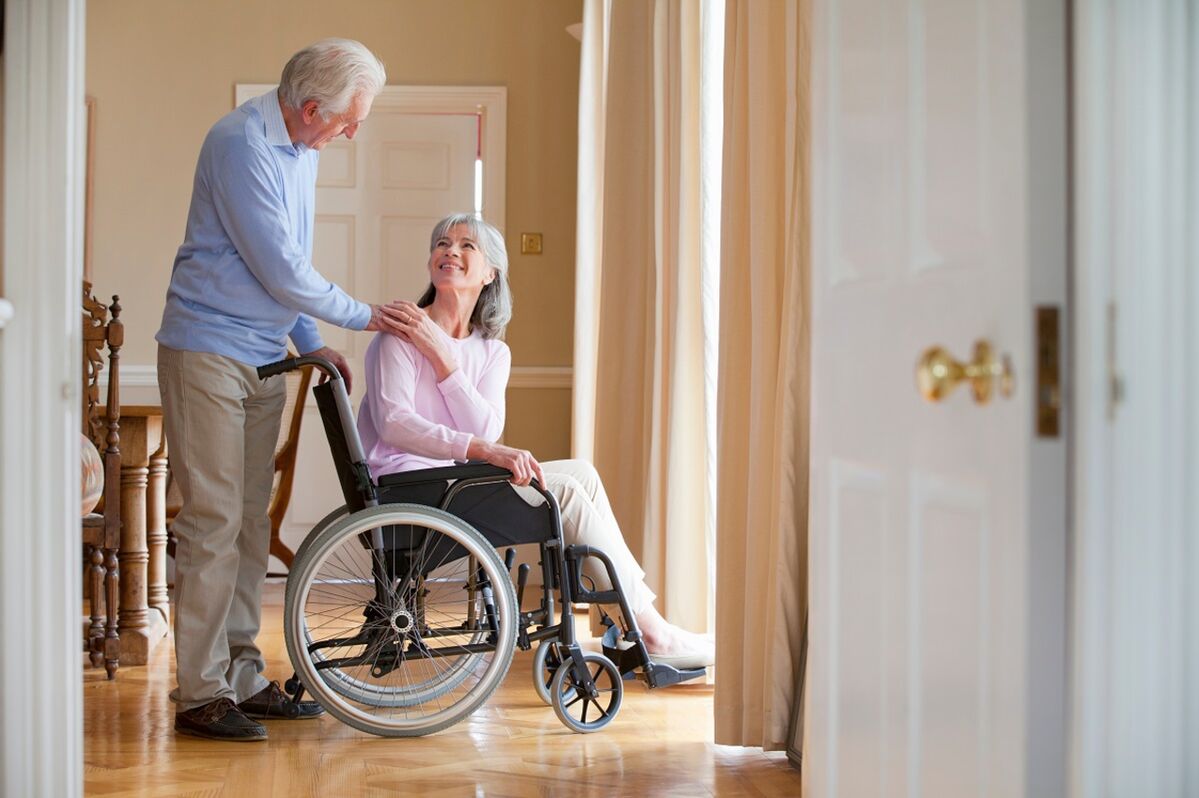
(629, 660)
(666, 675)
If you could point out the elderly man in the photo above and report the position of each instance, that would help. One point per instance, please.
(242, 283)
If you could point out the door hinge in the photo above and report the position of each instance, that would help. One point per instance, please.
(1049, 371)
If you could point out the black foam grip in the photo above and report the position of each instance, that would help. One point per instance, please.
(279, 367)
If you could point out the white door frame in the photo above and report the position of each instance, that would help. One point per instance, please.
(41, 729)
(1135, 604)
(1047, 31)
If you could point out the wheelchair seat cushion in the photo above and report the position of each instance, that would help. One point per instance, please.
(495, 509)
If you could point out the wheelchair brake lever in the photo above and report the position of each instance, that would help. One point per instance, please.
(509, 558)
(522, 579)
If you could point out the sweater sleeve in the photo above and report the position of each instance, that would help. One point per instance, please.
(391, 392)
(305, 335)
(479, 409)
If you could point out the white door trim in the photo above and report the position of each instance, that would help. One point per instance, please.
(41, 729)
(1135, 604)
(1047, 722)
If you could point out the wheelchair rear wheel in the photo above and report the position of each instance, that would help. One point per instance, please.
(400, 636)
(321, 526)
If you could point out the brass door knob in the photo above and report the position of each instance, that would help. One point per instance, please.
(937, 373)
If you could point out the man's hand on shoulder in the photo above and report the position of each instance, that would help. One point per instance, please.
(339, 362)
(386, 318)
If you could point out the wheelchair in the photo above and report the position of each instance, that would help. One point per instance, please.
(400, 617)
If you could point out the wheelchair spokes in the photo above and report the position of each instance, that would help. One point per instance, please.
(394, 653)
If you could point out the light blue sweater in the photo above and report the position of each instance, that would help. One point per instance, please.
(243, 280)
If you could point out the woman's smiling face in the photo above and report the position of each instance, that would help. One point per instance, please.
(457, 261)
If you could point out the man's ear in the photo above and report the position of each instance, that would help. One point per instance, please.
(309, 111)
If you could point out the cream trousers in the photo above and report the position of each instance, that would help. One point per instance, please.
(222, 423)
(587, 519)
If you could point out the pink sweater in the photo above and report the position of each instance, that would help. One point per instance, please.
(409, 420)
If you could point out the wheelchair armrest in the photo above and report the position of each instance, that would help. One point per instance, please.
(466, 471)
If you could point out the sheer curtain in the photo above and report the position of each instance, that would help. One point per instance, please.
(642, 407)
(667, 256)
(762, 496)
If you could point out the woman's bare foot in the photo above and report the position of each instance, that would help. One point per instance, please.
(673, 645)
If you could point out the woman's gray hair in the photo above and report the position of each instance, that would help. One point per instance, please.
(493, 310)
(332, 72)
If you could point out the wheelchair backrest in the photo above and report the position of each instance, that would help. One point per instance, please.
(355, 478)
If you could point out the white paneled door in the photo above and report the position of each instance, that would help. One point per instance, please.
(923, 640)
(424, 152)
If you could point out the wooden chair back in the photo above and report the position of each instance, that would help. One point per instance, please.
(285, 457)
(103, 337)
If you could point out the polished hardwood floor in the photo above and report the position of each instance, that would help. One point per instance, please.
(659, 745)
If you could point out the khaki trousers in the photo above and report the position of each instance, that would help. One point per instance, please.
(222, 423)
(587, 519)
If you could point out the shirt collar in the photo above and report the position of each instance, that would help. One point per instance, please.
(272, 115)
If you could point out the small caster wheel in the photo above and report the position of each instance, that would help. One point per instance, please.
(291, 685)
(545, 665)
(578, 710)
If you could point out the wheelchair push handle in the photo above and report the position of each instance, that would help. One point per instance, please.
(293, 363)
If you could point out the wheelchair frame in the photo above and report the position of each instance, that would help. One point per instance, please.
(573, 679)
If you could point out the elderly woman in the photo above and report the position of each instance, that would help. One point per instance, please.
(435, 394)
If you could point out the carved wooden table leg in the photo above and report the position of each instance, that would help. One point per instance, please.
(112, 638)
(140, 628)
(156, 532)
(95, 634)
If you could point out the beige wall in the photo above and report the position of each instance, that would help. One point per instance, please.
(162, 71)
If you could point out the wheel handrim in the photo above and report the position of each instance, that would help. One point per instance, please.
(396, 682)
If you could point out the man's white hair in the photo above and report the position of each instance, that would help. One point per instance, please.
(332, 72)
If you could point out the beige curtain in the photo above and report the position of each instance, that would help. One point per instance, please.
(640, 408)
(762, 495)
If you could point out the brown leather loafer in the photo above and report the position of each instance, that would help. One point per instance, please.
(219, 720)
(273, 704)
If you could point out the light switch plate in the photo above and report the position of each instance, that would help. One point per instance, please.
(530, 243)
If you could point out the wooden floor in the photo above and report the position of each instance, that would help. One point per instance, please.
(659, 745)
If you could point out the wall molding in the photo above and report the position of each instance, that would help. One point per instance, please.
(541, 377)
(145, 376)
(134, 376)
